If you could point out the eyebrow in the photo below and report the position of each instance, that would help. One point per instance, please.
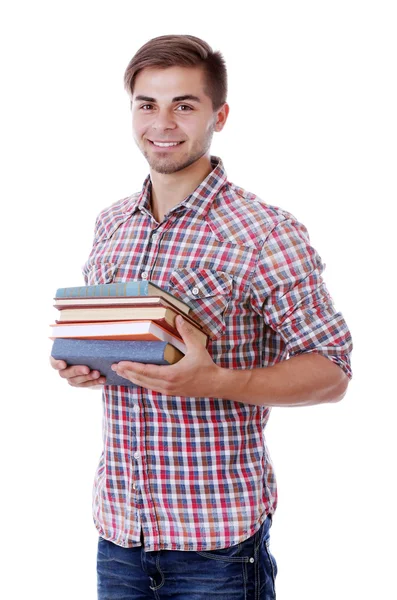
(176, 99)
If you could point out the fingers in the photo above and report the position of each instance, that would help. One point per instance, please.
(89, 383)
(77, 375)
(153, 377)
(75, 371)
(144, 374)
(139, 369)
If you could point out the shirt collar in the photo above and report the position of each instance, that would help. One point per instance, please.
(200, 200)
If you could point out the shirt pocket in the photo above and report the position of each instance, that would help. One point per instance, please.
(207, 292)
(101, 273)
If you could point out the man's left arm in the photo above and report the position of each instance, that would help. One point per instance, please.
(287, 290)
(299, 381)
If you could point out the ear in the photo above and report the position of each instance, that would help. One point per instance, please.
(221, 117)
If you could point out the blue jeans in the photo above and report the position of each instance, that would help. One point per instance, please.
(246, 571)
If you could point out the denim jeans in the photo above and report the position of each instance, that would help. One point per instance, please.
(246, 571)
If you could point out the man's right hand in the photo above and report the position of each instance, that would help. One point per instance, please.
(77, 375)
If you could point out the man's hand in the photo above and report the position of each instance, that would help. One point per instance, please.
(194, 375)
(78, 375)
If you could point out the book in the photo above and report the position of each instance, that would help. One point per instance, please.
(162, 315)
(78, 302)
(140, 288)
(100, 355)
(120, 330)
(69, 304)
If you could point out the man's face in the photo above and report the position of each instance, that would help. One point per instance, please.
(169, 106)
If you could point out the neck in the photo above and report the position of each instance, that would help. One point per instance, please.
(171, 189)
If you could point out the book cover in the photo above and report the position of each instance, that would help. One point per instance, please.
(123, 289)
(119, 330)
(102, 354)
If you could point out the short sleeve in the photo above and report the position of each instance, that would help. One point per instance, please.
(287, 289)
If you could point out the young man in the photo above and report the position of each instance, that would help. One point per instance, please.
(185, 489)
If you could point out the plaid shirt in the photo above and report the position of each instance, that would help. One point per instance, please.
(195, 473)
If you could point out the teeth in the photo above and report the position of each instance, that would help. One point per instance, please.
(166, 144)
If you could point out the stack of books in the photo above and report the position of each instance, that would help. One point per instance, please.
(100, 325)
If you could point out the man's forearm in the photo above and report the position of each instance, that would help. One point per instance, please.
(300, 381)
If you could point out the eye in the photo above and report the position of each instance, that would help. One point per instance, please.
(184, 108)
(146, 107)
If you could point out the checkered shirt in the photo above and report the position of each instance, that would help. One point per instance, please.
(195, 473)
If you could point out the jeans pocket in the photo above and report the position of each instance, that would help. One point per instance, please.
(240, 553)
(213, 555)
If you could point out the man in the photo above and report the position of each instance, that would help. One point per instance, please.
(185, 489)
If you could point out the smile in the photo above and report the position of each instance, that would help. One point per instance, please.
(165, 144)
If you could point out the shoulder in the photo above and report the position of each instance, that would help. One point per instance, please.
(111, 217)
(243, 218)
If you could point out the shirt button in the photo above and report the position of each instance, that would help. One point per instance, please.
(136, 408)
(195, 291)
(252, 560)
(137, 456)
(145, 275)
(155, 236)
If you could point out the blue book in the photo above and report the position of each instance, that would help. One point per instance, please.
(121, 290)
(102, 354)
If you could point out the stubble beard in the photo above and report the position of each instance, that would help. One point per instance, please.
(168, 164)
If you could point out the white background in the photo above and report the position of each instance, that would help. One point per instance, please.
(312, 128)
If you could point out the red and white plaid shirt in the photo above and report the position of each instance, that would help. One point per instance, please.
(195, 473)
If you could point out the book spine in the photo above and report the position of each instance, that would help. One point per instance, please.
(105, 290)
(101, 354)
(138, 351)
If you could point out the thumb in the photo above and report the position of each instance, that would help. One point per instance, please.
(59, 365)
(187, 332)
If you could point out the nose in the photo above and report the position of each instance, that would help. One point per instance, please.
(163, 120)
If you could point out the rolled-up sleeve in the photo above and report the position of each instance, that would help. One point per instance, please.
(287, 289)
(98, 232)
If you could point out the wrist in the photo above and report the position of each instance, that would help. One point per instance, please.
(232, 384)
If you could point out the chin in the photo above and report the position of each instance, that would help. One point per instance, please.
(166, 167)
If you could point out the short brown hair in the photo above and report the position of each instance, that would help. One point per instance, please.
(181, 51)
